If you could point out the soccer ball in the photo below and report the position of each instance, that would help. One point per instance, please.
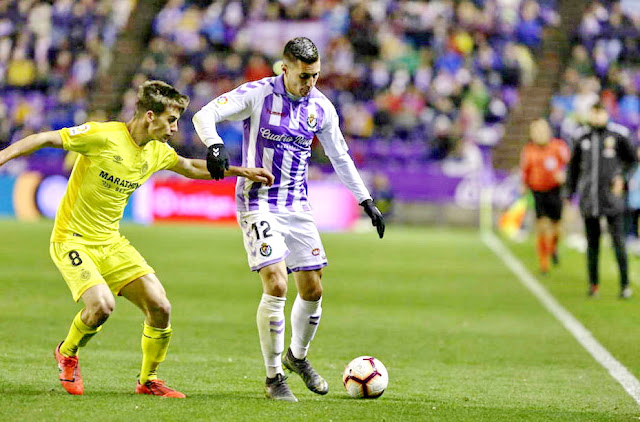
(365, 377)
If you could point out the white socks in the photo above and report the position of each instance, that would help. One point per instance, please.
(305, 317)
(270, 319)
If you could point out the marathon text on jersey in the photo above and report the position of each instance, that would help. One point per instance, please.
(118, 181)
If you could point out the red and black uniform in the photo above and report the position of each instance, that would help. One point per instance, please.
(540, 165)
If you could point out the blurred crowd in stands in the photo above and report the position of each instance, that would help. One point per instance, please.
(50, 55)
(413, 81)
(604, 63)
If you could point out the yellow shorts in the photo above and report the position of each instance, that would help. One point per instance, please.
(83, 266)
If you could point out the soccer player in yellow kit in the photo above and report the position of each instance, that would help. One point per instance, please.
(95, 260)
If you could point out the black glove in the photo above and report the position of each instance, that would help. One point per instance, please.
(217, 161)
(376, 216)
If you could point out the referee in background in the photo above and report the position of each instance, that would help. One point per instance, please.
(543, 170)
(601, 157)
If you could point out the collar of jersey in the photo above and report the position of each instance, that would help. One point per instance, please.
(126, 129)
(279, 88)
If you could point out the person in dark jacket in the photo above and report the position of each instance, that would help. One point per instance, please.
(602, 155)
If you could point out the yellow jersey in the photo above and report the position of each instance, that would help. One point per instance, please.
(110, 167)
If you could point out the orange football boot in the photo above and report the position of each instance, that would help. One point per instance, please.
(69, 376)
(158, 388)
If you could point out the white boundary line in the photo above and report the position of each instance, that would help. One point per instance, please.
(621, 374)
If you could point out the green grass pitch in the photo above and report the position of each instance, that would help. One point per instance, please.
(461, 338)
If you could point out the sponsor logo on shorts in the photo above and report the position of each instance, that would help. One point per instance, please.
(117, 159)
(85, 275)
(144, 169)
(265, 250)
(315, 252)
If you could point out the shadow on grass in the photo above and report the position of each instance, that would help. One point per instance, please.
(230, 395)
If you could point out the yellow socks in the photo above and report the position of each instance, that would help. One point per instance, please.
(155, 342)
(79, 335)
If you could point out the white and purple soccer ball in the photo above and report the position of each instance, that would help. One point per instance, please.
(365, 377)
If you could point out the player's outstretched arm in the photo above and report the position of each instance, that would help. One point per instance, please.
(29, 144)
(197, 169)
(258, 174)
(191, 168)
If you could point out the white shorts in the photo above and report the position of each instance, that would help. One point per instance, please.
(292, 237)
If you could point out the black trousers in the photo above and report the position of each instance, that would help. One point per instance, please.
(616, 230)
(631, 222)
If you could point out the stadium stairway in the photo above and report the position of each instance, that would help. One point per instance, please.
(535, 98)
(127, 54)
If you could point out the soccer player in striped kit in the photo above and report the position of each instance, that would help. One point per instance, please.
(281, 115)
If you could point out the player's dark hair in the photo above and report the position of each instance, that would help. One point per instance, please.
(301, 48)
(157, 96)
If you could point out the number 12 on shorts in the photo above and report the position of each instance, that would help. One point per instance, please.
(263, 231)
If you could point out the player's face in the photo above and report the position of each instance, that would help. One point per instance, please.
(598, 117)
(301, 77)
(162, 126)
(540, 132)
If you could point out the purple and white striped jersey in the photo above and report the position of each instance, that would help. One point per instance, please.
(278, 133)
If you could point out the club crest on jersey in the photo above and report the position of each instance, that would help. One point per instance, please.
(222, 100)
(265, 249)
(609, 150)
(144, 169)
(312, 121)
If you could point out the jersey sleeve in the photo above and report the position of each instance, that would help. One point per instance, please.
(234, 105)
(86, 139)
(336, 148)
(563, 152)
(573, 168)
(330, 135)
